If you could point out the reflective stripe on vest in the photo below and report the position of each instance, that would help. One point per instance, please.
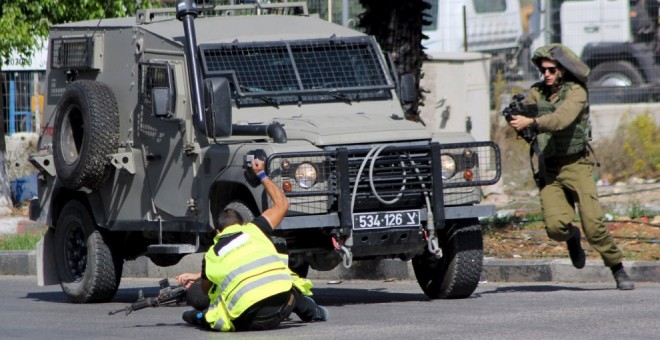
(218, 317)
(256, 285)
(246, 268)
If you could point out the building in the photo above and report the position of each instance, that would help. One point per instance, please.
(24, 92)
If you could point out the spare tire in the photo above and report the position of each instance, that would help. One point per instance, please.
(86, 131)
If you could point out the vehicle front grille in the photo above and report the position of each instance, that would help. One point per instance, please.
(388, 177)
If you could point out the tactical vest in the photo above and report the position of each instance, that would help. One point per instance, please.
(569, 141)
(244, 271)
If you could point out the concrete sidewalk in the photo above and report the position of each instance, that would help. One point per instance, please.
(23, 262)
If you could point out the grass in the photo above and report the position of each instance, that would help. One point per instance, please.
(20, 242)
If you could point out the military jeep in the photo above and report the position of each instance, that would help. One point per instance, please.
(152, 121)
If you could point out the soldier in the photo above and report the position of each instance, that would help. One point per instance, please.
(567, 181)
(248, 284)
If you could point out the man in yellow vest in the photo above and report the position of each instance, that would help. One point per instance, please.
(566, 178)
(248, 284)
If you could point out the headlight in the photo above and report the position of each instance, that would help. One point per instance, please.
(448, 166)
(305, 175)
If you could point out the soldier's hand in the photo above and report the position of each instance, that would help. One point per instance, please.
(520, 122)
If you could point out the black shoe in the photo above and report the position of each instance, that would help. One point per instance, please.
(575, 250)
(193, 317)
(623, 281)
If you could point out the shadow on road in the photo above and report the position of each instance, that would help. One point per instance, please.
(47, 297)
(124, 295)
(351, 296)
(536, 289)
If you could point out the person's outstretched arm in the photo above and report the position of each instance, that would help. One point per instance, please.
(275, 214)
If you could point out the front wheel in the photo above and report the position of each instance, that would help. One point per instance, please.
(455, 275)
(86, 267)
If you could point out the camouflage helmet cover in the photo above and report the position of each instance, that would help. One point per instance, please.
(565, 57)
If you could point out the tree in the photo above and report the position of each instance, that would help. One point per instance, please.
(397, 26)
(23, 26)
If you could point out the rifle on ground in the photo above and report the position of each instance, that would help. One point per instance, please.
(517, 108)
(167, 295)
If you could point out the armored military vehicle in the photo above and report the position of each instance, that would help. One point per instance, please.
(154, 118)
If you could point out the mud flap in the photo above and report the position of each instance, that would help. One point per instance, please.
(46, 267)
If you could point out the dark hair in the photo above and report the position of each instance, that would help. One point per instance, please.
(229, 217)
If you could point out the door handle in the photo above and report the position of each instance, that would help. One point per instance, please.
(591, 29)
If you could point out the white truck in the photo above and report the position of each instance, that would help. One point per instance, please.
(616, 38)
(486, 26)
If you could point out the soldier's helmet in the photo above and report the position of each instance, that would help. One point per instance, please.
(565, 57)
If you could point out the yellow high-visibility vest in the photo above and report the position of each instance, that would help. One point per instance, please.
(244, 271)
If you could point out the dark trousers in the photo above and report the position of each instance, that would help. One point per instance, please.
(263, 315)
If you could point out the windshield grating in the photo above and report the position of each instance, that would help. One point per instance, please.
(304, 67)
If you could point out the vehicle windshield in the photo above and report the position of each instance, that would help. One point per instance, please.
(283, 72)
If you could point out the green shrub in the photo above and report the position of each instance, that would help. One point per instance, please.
(20, 242)
(642, 144)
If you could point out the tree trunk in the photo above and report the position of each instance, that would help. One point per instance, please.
(5, 189)
(397, 26)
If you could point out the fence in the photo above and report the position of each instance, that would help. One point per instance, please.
(23, 101)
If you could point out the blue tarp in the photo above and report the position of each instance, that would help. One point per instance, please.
(24, 188)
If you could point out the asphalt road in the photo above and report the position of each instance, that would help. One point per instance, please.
(358, 310)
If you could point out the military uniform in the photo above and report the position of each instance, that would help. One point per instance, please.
(563, 127)
(566, 170)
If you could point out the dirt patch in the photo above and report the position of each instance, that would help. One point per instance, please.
(633, 218)
(637, 239)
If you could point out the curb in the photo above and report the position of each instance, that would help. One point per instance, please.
(19, 226)
(23, 262)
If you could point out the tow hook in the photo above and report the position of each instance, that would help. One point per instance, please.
(433, 245)
(346, 255)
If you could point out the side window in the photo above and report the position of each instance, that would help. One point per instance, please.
(156, 76)
(489, 6)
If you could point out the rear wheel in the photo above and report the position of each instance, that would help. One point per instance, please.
(87, 268)
(616, 74)
(455, 275)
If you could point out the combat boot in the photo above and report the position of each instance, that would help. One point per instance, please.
(623, 281)
(575, 250)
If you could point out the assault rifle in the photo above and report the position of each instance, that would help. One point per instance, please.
(167, 295)
(517, 108)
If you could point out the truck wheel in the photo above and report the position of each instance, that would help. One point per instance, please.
(615, 73)
(86, 267)
(455, 275)
(86, 131)
(242, 209)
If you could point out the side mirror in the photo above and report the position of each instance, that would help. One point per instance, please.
(217, 107)
(408, 90)
(162, 103)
